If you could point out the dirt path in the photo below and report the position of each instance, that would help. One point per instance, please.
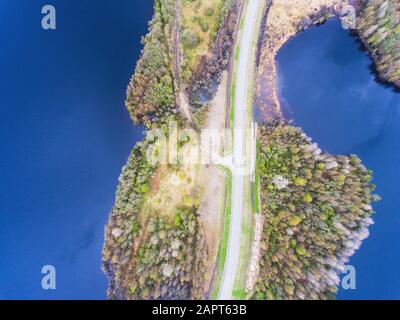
(181, 99)
(213, 201)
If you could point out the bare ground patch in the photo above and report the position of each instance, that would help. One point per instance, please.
(214, 181)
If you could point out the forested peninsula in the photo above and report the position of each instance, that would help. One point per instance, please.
(307, 211)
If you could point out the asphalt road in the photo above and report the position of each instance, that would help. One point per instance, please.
(240, 145)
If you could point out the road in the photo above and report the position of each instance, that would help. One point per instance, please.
(241, 157)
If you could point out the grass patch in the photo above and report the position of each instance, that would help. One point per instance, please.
(233, 91)
(201, 20)
(223, 247)
(239, 291)
(232, 108)
(256, 189)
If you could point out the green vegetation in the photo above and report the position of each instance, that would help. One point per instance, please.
(378, 26)
(233, 92)
(124, 225)
(151, 92)
(154, 246)
(200, 23)
(317, 209)
(190, 38)
(151, 253)
(223, 246)
(171, 260)
(256, 189)
(246, 238)
(200, 116)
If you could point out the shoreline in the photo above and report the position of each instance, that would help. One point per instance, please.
(364, 48)
(280, 27)
(282, 24)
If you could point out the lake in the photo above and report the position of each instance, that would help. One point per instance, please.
(327, 88)
(65, 135)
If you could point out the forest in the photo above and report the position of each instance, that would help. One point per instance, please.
(378, 26)
(154, 240)
(151, 91)
(317, 210)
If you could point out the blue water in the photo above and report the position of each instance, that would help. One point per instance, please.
(64, 137)
(327, 88)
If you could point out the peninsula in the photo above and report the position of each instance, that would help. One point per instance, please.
(225, 198)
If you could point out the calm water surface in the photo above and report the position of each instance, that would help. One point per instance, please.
(64, 137)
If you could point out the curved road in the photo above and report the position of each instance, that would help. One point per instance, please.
(241, 158)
